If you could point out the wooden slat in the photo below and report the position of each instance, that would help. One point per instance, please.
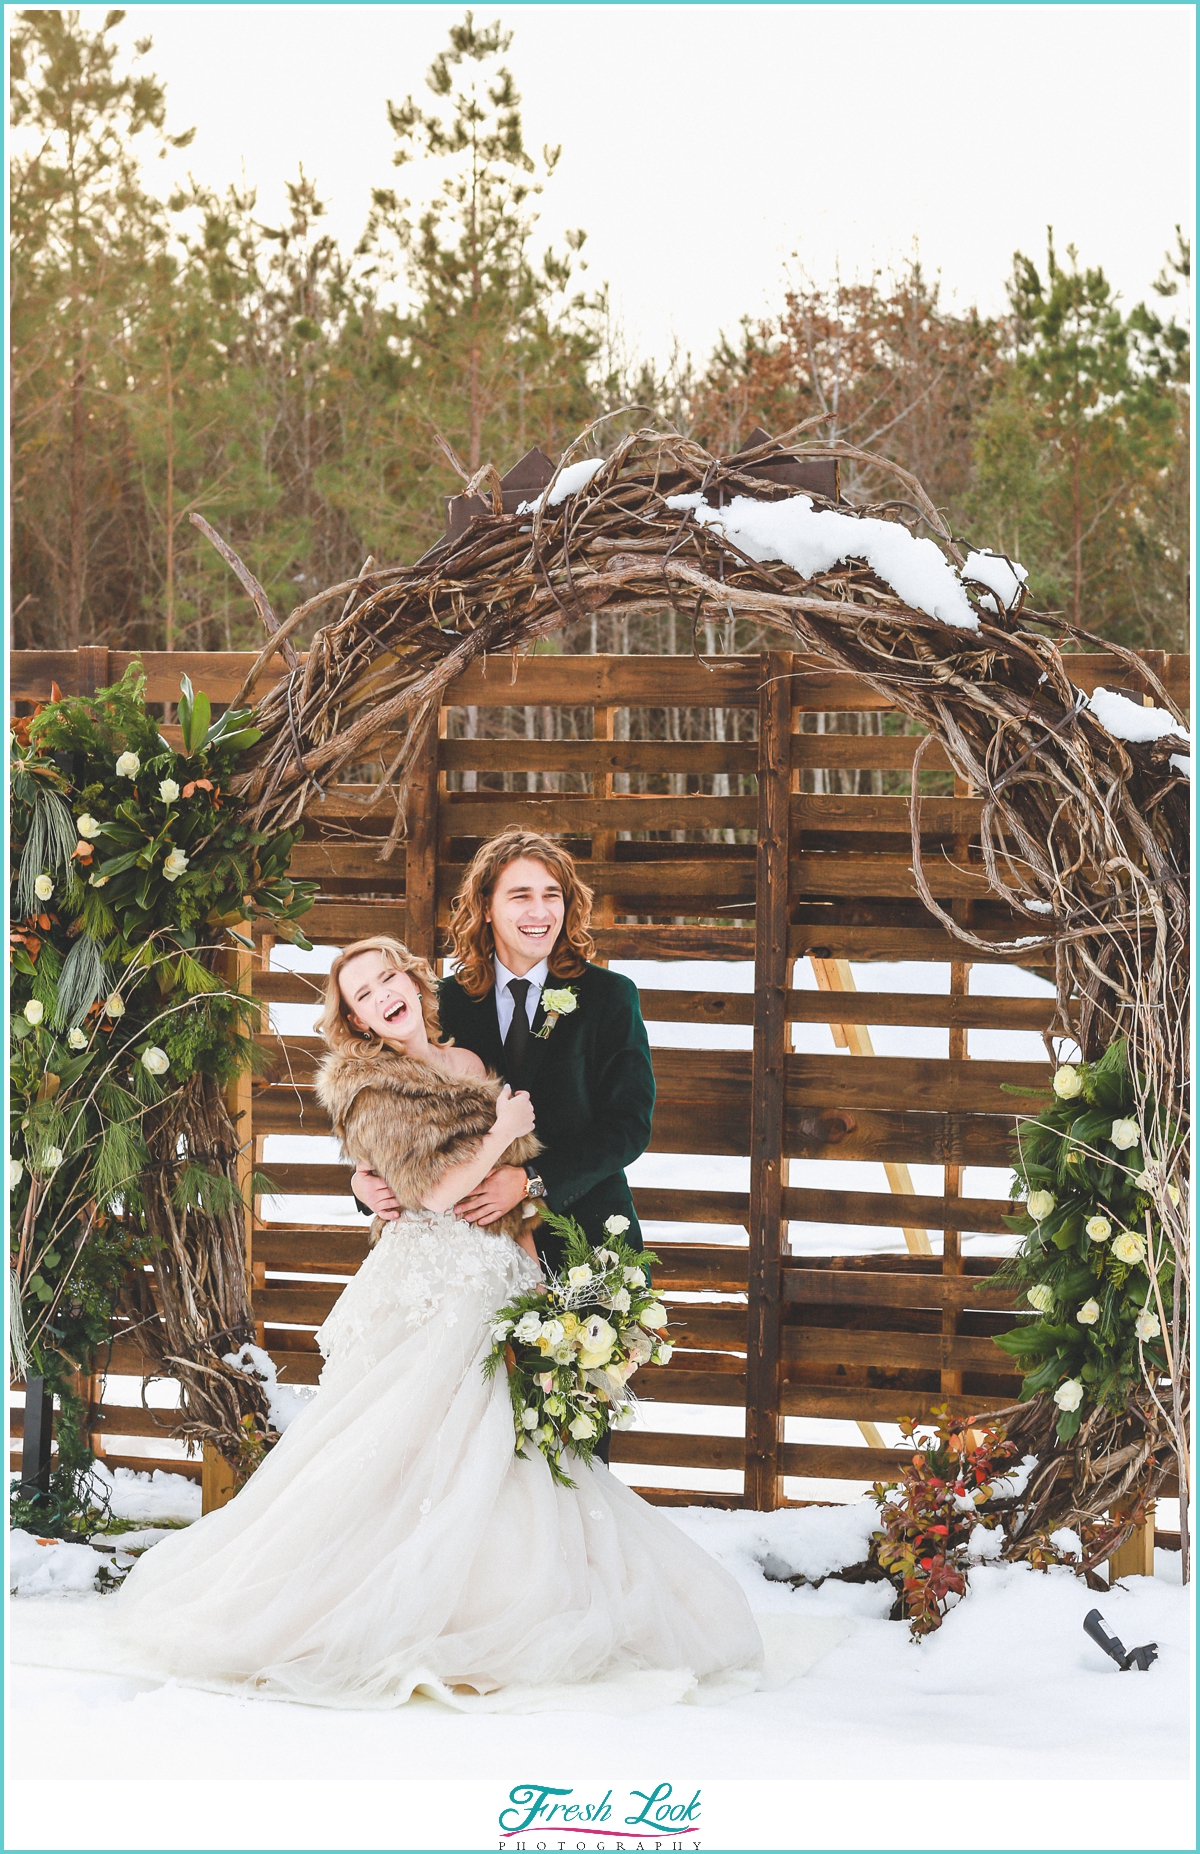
(598, 757)
(468, 816)
(866, 1403)
(723, 1127)
(808, 1287)
(613, 681)
(866, 752)
(894, 1210)
(652, 886)
(833, 1345)
(838, 939)
(708, 1007)
(940, 817)
(569, 680)
(818, 1461)
(702, 1076)
(653, 1449)
(825, 873)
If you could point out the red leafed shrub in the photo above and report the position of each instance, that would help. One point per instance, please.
(928, 1517)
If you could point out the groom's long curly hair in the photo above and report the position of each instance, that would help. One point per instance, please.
(474, 945)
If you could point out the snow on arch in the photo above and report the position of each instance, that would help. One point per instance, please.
(812, 541)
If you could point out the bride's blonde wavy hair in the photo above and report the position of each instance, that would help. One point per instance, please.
(334, 1022)
(474, 944)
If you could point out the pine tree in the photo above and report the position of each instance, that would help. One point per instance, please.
(83, 232)
(498, 351)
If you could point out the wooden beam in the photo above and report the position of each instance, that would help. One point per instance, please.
(768, 1228)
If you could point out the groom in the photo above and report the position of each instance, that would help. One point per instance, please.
(526, 1000)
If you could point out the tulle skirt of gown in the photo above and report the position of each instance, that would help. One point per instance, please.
(393, 1541)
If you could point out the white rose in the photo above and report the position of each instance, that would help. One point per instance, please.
(579, 1277)
(1098, 1228)
(1039, 1297)
(88, 827)
(1069, 1395)
(156, 1061)
(97, 881)
(168, 791)
(552, 1334)
(529, 1417)
(35, 1010)
(16, 1171)
(654, 1317)
(501, 1331)
(43, 888)
(1125, 1135)
(1067, 1083)
(51, 1159)
(527, 1328)
(76, 1039)
(582, 1428)
(1147, 1326)
(1129, 1248)
(620, 1300)
(607, 1257)
(663, 1354)
(1039, 1204)
(114, 1005)
(634, 1277)
(561, 1001)
(128, 766)
(1089, 1313)
(175, 865)
(615, 1226)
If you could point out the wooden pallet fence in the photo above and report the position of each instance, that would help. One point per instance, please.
(761, 870)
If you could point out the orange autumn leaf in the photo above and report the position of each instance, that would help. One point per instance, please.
(55, 692)
(83, 850)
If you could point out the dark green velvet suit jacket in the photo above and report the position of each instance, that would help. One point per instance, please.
(592, 1086)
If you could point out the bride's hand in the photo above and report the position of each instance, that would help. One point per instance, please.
(514, 1114)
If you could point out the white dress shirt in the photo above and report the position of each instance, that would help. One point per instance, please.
(504, 998)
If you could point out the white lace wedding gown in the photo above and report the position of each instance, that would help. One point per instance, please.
(393, 1541)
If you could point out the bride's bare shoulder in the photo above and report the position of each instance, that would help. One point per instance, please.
(461, 1062)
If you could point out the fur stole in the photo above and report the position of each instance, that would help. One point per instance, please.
(411, 1122)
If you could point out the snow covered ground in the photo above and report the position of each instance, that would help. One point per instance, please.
(1010, 1690)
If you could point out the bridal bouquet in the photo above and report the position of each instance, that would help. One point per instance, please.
(572, 1345)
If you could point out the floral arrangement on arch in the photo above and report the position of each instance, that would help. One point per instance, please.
(1097, 1266)
(572, 1345)
(131, 862)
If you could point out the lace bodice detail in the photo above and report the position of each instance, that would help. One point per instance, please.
(422, 1256)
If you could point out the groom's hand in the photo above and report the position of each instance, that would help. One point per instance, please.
(499, 1191)
(375, 1192)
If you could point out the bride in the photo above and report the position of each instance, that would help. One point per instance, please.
(393, 1541)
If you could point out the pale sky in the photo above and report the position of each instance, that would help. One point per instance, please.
(704, 145)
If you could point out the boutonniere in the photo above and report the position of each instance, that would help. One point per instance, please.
(556, 1004)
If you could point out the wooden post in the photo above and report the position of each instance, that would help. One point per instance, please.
(217, 1483)
(36, 1440)
(1135, 1558)
(960, 985)
(420, 865)
(604, 842)
(763, 1487)
(91, 669)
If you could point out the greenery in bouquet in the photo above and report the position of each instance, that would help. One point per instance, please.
(1097, 1173)
(572, 1345)
(130, 861)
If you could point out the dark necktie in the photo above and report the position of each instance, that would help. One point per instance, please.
(517, 1040)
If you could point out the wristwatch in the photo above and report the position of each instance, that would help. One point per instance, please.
(535, 1185)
